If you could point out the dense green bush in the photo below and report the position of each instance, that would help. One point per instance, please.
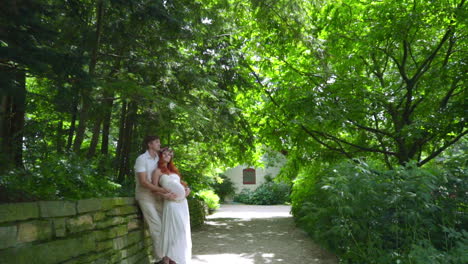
(197, 210)
(58, 177)
(224, 187)
(367, 215)
(210, 198)
(269, 193)
(245, 196)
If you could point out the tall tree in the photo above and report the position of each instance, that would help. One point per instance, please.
(28, 47)
(86, 91)
(166, 67)
(361, 78)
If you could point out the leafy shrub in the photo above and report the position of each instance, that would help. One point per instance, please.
(269, 193)
(406, 215)
(197, 210)
(304, 185)
(224, 188)
(57, 178)
(210, 197)
(245, 196)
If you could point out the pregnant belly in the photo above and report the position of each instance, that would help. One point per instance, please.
(175, 188)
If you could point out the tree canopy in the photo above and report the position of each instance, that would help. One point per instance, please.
(92, 78)
(359, 78)
(366, 99)
(315, 80)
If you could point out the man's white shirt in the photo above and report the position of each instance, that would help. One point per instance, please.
(145, 163)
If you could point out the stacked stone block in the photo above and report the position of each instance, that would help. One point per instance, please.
(108, 230)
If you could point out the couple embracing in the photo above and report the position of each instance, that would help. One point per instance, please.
(161, 194)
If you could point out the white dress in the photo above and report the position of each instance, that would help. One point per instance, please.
(176, 237)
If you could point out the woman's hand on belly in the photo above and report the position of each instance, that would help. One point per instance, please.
(169, 196)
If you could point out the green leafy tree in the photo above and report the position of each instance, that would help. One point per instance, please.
(97, 76)
(223, 187)
(29, 46)
(384, 79)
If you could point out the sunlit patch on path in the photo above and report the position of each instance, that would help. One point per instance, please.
(245, 234)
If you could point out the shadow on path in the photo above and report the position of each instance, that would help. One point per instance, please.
(243, 234)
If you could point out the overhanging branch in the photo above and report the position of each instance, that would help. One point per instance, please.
(444, 147)
(370, 129)
(339, 140)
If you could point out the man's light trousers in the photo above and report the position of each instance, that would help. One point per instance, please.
(152, 215)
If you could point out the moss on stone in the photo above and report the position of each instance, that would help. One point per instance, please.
(18, 211)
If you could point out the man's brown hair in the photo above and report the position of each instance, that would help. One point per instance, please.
(147, 140)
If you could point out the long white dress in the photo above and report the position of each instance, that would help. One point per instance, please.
(176, 235)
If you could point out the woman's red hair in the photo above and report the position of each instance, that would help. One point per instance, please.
(170, 168)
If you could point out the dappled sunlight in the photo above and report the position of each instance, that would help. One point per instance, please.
(215, 223)
(254, 258)
(253, 235)
(222, 258)
(251, 212)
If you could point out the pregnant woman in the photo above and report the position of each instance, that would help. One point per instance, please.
(176, 244)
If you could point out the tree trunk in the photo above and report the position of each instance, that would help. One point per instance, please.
(121, 139)
(17, 126)
(131, 128)
(95, 138)
(71, 131)
(59, 137)
(86, 92)
(4, 122)
(5, 137)
(83, 117)
(127, 142)
(13, 103)
(106, 123)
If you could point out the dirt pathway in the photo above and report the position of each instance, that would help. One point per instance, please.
(246, 234)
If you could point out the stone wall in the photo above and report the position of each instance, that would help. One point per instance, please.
(108, 230)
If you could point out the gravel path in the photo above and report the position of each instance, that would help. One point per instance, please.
(253, 234)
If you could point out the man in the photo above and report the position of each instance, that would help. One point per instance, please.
(149, 195)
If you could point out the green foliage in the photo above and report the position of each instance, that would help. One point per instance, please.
(368, 215)
(269, 193)
(58, 177)
(197, 210)
(245, 196)
(304, 183)
(210, 197)
(223, 187)
(87, 64)
(377, 81)
(381, 79)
